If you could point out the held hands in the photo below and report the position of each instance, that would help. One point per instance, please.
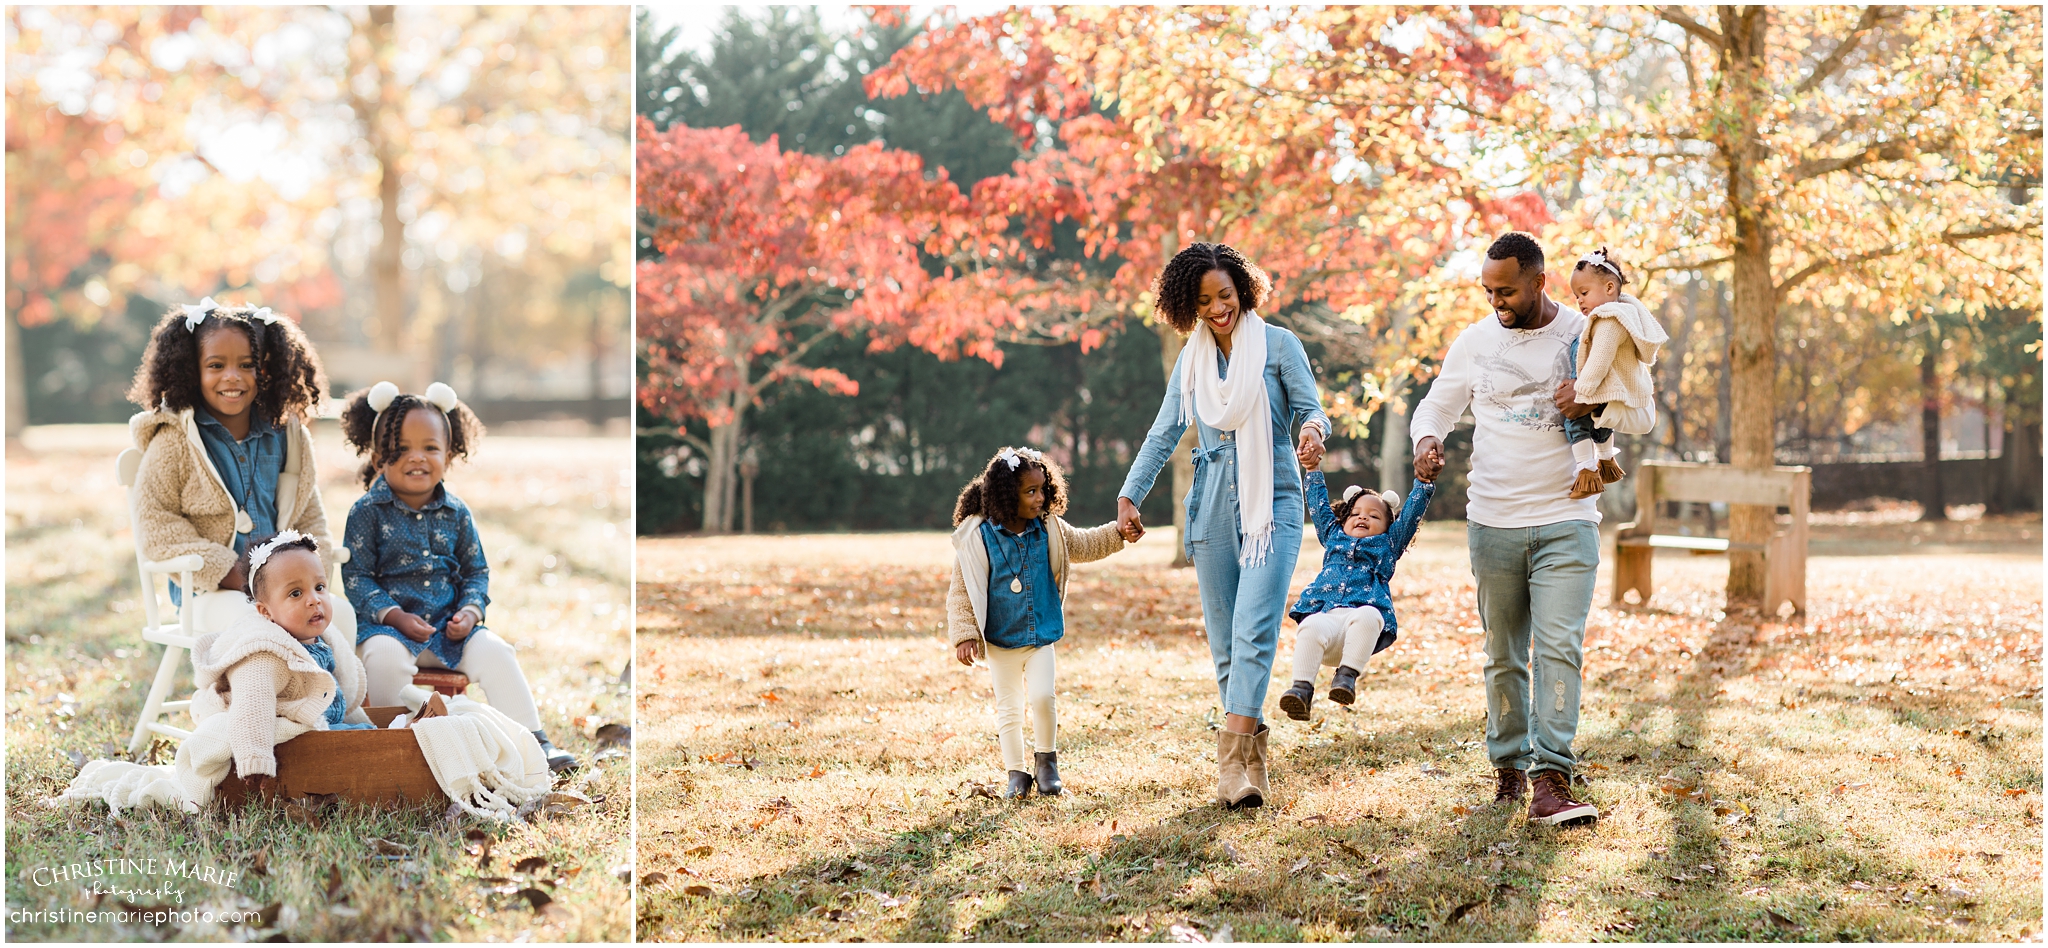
(1310, 452)
(1429, 459)
(1127, 523)
(460, 625)
(409, 625)
(1568, 402)
(964, 652)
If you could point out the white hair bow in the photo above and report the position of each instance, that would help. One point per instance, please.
(1599, 259)
(196, 313)
(1014, 456)
(261, 554)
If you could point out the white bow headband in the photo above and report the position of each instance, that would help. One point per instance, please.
(261, 554)
(1391, 499)
(1014, 456)
(1599, 259)
(438, 395)
(196, 313)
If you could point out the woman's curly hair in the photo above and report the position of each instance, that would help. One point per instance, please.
(1178, 288)
(302, 543)
(374, 435)
(1620, 273)
(994, 494)
(290, 382)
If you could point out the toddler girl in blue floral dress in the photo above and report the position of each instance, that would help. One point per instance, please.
(416, 572)
(1346, 615)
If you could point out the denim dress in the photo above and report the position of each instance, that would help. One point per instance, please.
(427, 562)
(1241, 606)
(338, 708)
(1357, 570)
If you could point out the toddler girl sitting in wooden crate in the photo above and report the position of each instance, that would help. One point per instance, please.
(416, 572)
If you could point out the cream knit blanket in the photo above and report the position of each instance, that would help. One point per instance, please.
(484, 761)
(203, 762)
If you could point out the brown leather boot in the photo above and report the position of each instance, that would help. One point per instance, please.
(1510, 785)
(1610, 471)
(1257, 789)
(1232, 749)
(1551, 801)
(1586, 484)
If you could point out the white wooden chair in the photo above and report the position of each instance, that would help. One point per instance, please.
(176, 633)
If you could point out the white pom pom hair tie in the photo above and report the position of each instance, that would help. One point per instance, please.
(441, 395)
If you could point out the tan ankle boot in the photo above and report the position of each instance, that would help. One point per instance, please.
(1257, 791)
(1610, 471)
(1232, 749)
(1585, 484)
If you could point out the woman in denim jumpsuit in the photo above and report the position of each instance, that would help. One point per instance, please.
(1212, 285)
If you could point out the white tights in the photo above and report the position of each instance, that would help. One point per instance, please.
(488, 660)
(1337, 637)
(1018, 671)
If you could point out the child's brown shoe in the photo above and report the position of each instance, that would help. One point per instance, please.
(1296, 701)
(1586, 484)
(1020, 786)
(1344, 685)
(1610, 471)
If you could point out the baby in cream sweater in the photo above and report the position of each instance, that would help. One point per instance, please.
(1610, 364)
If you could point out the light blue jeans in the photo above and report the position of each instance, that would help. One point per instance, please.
(1535, 588)
(1242, 607)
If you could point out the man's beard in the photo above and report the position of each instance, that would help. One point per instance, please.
(1522, 317)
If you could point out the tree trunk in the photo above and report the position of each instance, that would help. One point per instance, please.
(723, 470)
(17, 381)
(387, 267)
(1170, 343)
(1395, 469)
(1932, 506)
(1722, 394)
(1753, 401)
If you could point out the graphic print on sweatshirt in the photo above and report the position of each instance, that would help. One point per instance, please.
(1519, 378)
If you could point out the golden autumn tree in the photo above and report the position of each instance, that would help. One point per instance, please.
(1882, 158)
(1336, 147)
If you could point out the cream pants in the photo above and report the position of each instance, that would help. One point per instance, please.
(1020, 673)
(488, 660)
(1337, 637)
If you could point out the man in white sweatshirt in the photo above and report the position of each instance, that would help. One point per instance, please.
(1534, 550)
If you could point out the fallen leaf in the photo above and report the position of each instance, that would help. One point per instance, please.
(259, 864)
(529, 865)
(334, 883)
(1299, 865)
(536, 898)
(699, 851)
(614, 735)
(389, 848)
(816, 772)
(1186, 935)
(1305, 821)
(1780, 920)
(698, 890)
(267, 916)
(1459, 912)
(654, 878)
(769, 696)
(2015, 792)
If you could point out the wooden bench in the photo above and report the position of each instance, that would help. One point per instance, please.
(1660, 481)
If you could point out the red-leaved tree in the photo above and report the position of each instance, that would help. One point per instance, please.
(766, 253)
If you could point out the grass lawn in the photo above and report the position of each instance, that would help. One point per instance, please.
(555, 514)
(814, 766)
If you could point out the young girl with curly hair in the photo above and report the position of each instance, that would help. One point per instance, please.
(416, 570)
(225, 393)
(1006, 603)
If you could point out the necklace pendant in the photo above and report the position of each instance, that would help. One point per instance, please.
(1016, 585)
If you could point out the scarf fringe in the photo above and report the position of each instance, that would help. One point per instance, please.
(1256, 546)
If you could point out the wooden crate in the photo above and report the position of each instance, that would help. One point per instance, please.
(381, 766)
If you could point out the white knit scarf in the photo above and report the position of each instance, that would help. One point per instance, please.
(1238, 403)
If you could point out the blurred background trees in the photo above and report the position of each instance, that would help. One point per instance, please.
(1365, 156)
(433, 192)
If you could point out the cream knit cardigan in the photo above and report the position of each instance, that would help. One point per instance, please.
(256, 688)
(1616, 352)
(967, 597)
(183, 505)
